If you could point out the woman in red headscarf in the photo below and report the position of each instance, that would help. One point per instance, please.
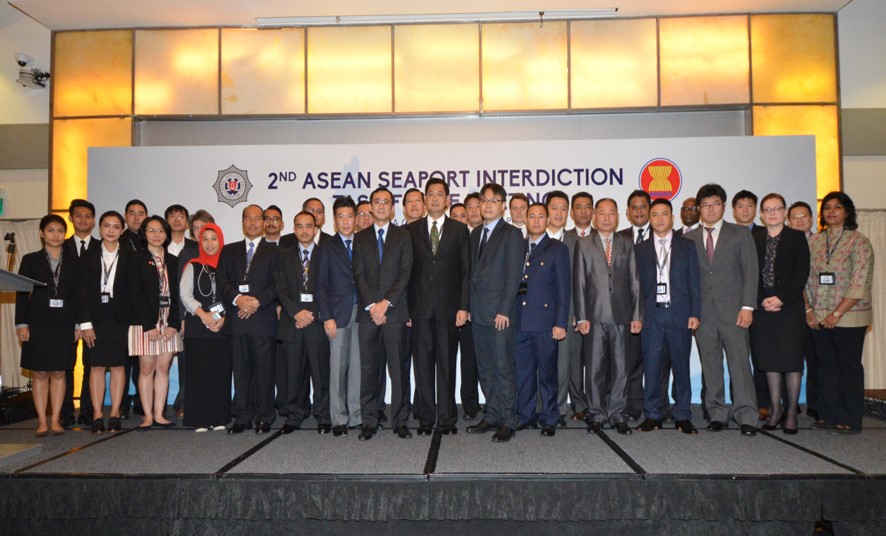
(208, 374)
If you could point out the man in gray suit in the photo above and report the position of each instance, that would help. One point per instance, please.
(727, 260)
(606, 292)
(497, 251)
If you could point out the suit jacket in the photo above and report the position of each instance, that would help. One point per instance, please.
(91, 309)
(439, 285)
(33, 308)
(290, 240)
(289, 285)
(386, 280)
(335, 288)
(683, 278)
(547, 275)
(791, 266)
(143, 284)
(629, 233)
(571, 238)
(229, 277)
(593, 280)
(496, 275)
(72, 245)
(131, 241)
(730, 282)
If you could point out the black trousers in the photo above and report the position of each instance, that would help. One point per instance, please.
(841, 375)
(307, 355)
(634, 371)
(470, 395)
(496, 369)
(377, 342)
(253, 365)
(435, 346)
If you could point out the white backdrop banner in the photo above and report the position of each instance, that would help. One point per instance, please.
(225, 179)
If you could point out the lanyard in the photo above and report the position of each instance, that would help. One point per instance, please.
(107, 271)
(57, 273)
(211, 275)
(828, 246)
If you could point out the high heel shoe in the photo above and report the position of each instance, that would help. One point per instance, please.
(769, 427)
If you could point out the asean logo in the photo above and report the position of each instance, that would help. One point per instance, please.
(661, 178)
(232, 185)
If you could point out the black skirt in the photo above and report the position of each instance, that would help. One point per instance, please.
(111, 345)
(50, 347)
(208, 377)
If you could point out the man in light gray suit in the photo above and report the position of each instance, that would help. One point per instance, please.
(727, 260)
(606, 292)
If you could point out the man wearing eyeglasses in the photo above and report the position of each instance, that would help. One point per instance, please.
(727, 259)
(316, 208)
(497, 253)
(273, 224)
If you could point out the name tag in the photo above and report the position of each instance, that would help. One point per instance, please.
(661, 289)
(217, 307)
(827, 278)
(307, 298)
(56, 303)
(164, 301)
(243, 289)
(106, 297)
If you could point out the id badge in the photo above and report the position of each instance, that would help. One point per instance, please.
(827, 278)
(661, 289)
(244, 288)
(217, 307)
(164, 301)
(307, 298)
(106, 297)
(56, 303)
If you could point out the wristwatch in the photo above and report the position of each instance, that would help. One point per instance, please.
(837, 314)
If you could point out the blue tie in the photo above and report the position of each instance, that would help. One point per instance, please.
(350, 253)
(381, 244)
(249, 253)
(482, 242)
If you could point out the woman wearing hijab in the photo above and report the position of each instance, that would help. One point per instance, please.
(208, 374)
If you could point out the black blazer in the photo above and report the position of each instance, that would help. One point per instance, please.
(289, 284)
(91, 309)
(495, 277)
(684, 279)
(131, 241)
(290, 240)
(387, 280)
(33, 308)
(190, 251)
(144, 284)
(439, 285)
(72, 245)
(335, 288)
(231, 267)
(791, 266)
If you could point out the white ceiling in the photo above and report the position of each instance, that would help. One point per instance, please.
(89, 14)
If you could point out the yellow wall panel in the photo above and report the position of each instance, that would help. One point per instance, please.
(263, 71)
(614, 63)
(793, 58)
(704, 60)
(92, 73)
(525, 66)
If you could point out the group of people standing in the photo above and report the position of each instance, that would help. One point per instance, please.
(549, 321)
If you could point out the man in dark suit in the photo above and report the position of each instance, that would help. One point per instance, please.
(313, 206)
(606, 291)
(438, 305)
(497, 252)
(800, 218)
(134, 214)
(669, 288)
(336, 295)
(543, 299)
(304, 346)
(382, 264)
(582, 210)
(688, 216)
(557, 204)
(245, 280)
(727, 260)
(81, 214)
(638, 214)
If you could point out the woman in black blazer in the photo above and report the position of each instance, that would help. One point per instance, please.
(45, 321)
(105, 338)
(778, 331)
(151, 275)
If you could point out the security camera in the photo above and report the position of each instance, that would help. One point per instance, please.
(23, 59)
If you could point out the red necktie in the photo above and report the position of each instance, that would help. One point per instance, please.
(608, 251)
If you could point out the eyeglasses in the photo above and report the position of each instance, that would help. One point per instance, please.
(688, 209)
(273, 219)
(381, 202)
(489, 201)
(772, 210)
(800, 216)
(364, 214)
(716, 204)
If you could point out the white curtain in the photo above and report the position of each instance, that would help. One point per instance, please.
(872, 223)
(27, 239)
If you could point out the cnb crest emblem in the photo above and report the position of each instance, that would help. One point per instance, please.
(232, 185)
(661, 178)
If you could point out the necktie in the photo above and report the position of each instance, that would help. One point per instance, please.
(582, 234)
(305, 264)
(639, 236)
(709, 244)
(608, 250)
(381, 244)
(350, 253)
(482, 242)
(435, 237)
(82, 248)
(249, 253)
(662, 251)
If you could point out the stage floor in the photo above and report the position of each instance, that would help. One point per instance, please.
(709, 483)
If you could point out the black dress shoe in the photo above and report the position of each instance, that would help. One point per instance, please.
(649, 425)
(340, 430)
(812, 412)
(716, 426)
(579, 416)
(470, 415)
(686, 427)
(324, 428)
(480, 428)
(594, 427)
(634, 414)
(561, 422)
(289, 428)
(503, 434)
(789, 431)
(425, 430)
(748, 430)
(98, 427)
(526, 425)
(239, 428)
(548, 431)
(623, 428)
(366, 433)
(381, 416)
(403, 432)
(449, 430)
(114, 425)
(262, 427)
